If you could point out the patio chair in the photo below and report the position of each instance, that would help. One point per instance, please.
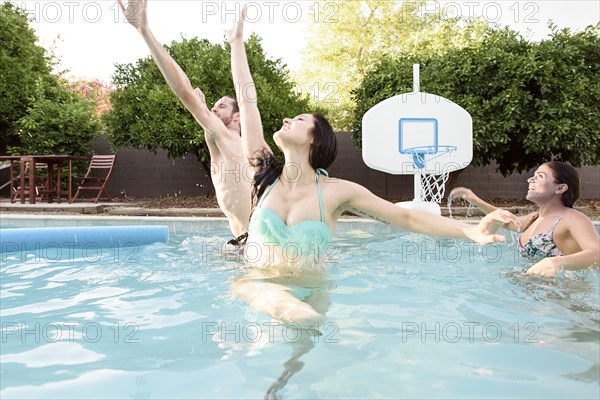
(96, 178)
(20, 170)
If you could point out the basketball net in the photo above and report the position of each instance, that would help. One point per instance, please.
(430, 187)
(433, 187)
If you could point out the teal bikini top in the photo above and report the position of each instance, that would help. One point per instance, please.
(276, 243)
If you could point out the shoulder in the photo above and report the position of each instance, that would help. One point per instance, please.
(576, 224)
(343, 191)
(573, 219)
(340, 185)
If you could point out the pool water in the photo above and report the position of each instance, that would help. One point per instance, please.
(410, 317)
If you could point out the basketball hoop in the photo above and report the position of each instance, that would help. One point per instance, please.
(402, 135)
(418, 153)
(429, 187)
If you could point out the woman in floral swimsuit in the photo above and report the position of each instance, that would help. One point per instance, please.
(556, 235)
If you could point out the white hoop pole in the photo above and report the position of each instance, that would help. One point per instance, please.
(417, 186)
(417, 175)
(416, 78)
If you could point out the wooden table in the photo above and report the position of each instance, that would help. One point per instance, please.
(51, 161)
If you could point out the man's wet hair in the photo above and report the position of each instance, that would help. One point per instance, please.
(234, 103)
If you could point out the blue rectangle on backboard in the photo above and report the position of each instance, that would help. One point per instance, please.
(418, 133)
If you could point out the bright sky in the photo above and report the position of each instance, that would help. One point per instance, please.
(94, 36)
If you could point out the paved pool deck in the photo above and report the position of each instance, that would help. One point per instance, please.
(132, 209)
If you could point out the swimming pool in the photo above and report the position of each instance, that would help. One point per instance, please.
(410, 317)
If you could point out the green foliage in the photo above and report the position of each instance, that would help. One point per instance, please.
(59, 121)
(530, 102)
(566, 90)
(39, 112)
(24, 65)
(146, 114)
(345, 38)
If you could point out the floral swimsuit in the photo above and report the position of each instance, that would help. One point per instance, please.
(541, 245)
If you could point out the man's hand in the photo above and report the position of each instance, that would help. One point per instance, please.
(135, 12)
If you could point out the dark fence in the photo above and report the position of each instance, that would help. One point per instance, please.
(141, 173)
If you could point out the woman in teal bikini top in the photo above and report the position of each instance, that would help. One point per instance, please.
(309, 146)
(306, 242)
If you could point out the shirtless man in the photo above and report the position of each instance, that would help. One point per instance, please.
(221, 124)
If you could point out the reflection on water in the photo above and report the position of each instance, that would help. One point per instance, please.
(589, 376)
(298, 300)
(403, 316)
(292, 366)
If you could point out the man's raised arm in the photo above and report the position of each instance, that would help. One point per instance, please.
(193, 100)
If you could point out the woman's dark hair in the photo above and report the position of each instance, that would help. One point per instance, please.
(268, 168)
(566, 174)
(323, 152)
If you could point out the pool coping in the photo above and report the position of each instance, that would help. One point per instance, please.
(154, 218)
(169, 218)
(129, 209)
(177, 225)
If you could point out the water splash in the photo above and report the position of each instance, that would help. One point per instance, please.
(470, 207)
(449, 205)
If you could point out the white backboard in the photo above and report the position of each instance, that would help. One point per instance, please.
(394, 126)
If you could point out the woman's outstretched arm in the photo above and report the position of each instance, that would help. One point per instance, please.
(360, 200)
(253, 140)
(468, 195)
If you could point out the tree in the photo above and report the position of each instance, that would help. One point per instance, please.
(95, 91)
(566, 91)
(146, 114)
(530, 102)
(345, 38)
(59, 121)
(40, 113)
(24, 66)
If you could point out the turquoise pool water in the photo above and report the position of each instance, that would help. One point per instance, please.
(410, 317)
